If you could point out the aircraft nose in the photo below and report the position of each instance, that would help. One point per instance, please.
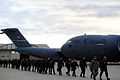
(63, 47)
(66, 47)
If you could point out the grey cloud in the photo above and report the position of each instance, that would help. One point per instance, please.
(108, 14)
(98, 9)
(69, 29)
(38, 19)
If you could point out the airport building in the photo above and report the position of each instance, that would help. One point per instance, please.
(7, 54)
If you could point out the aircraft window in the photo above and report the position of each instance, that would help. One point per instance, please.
(69, 41)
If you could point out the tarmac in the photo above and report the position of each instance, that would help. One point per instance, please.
(13, 74)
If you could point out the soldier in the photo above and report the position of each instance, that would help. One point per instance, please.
(68, 66)
(83, 66)
(94, 65)
(13, 63)
(22, 64)
(103, 67)
(47, 65)
(60, 65)
(42, 66)
(37, 66)
(74, 67)
(29, 65)
(33, 65)
(18, 64)
(0, 63)
(6, 63)
(26, 64)
(51, 66)
(9, 63)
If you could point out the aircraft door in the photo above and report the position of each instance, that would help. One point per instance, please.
(119, 45)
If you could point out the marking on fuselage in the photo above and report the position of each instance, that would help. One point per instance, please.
(98, 42)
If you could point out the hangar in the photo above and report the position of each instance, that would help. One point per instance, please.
(7, 54)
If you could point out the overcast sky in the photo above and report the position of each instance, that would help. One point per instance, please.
(53, 22)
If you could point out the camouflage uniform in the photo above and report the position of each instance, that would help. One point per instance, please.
(94, 65)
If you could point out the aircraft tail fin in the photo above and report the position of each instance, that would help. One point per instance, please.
(16, 37)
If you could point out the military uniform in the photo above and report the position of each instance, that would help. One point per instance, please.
(74, 67)
(68, 66)
(103, 67)
(83, 66)
(60, 65)
(94, 65)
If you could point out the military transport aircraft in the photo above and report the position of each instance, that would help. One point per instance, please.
(76, 47)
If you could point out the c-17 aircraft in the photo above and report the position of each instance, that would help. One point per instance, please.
(76, 47)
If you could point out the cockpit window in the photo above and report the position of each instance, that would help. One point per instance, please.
(69, 41)
(74, 41)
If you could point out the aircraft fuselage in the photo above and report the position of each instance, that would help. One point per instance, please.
(93, 45)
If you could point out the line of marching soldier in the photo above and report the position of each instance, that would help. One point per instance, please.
(42, 65)
(46, 66)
